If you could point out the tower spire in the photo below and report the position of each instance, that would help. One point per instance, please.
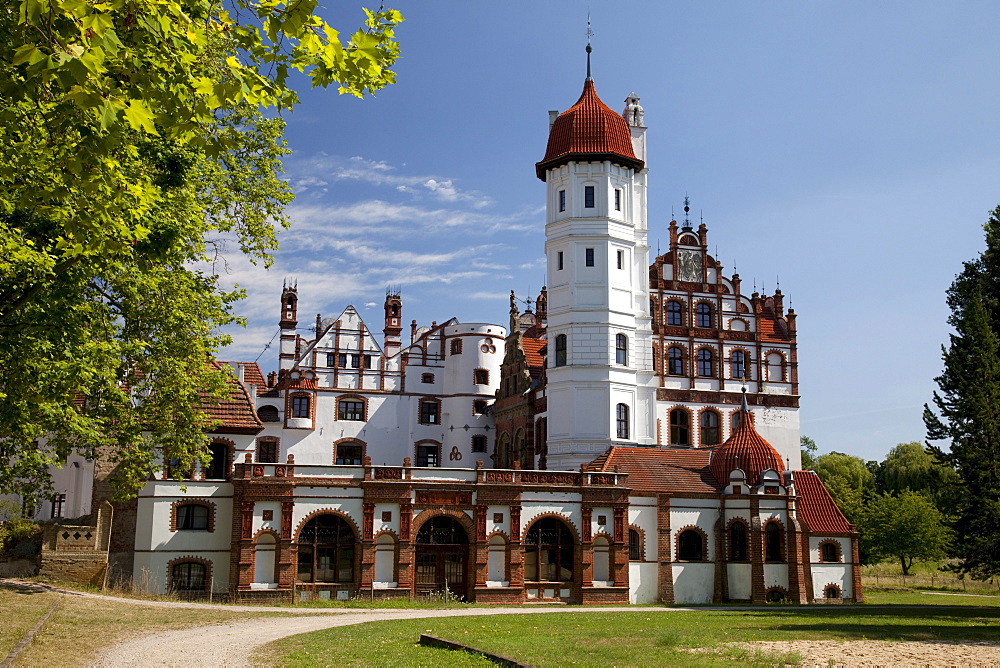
(590, 33)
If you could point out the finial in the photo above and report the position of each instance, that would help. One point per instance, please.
(687, 210)
(590, 33)
(744, 408)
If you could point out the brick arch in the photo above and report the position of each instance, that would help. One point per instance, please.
(784, 539)
(264, 530)
(713, 310)
(747, 362)
(767, 366)
(704, 541)
(572, 526)
(498, 532)
(428, 441)
(207, 563)
(837, 587)
(837, 546)
(463, 518)
(642, 539)
(685, 307)
(363, 444)
(714, 352)
(691, 424)
(720, 426)
(351, 397)
(726, 541)
(743, 320)
(768, 592)
(327, 511)
(386, 532)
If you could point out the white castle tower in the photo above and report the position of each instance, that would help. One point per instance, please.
(600, 389)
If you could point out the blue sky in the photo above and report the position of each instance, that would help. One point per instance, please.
(849, 150)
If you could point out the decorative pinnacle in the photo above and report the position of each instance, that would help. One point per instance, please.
(590, 33)
(687, 210)
(744, 408)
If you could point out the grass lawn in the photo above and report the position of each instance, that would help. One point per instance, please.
(81, 627)
(616, 637)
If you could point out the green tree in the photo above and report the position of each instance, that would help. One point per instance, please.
(905, 527)
(848, 480)
(912, 466)
(808, 448)
(968, 406)
(133, 143)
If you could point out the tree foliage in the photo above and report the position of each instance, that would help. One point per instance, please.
(133, 143)
(968, 405)
(912, 466)
(905, 527)
(848, 480)
(809, 448)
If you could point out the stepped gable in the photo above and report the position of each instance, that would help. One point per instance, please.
(661, 470)
(746, 450)
(816, 508)
(588, 131)
(235, 414)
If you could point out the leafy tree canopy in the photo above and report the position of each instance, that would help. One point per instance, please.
(904, 527)
(848, 480)
(808, 447)
(133, 146)
(911, 466)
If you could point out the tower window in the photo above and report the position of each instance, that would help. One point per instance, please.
(355, 361)
(368, 361)
(562, 200)
(738, 364)
(479, 407)
(679, 427)
(427, 378)
(675, 315)
(456, 346)
(705, 363)
(561, 350)
(428, 411)
(428, 454)
(481, 377)
(621, 259)
(709, 428)
(618, 199)
(479, 444)
(559, 261)
(704, 314)
(621, 420)
(331, 359)
(675, 361)
(589, 255)
(588, 197)
(350, 453)
(351, 410)
(342, 361)
(621, 349)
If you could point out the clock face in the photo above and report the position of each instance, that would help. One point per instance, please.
(690, 266)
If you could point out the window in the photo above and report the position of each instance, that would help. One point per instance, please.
(368, 361)
(355, 361)
(342, 362)
(738, 541)
(268, 414)
(427, 378)
(350, 409)
(588, 197)
(559, 260)
(621, 349)
(428, 454)
(621, 420)
(479, 444)
(675, 313)
(479, 407)
(188, 576)
(832, 591)
(829, 551)
(634, 545)
(705, 362)
(690, 546)
(679, 427)
(621, 259)
(618, 199)
(481, 377)
(331, 359)
(58, 503)
(773, 539)
(560, 350)
(192, 517)
(218, 465)
(428, 411)
(589, 257)
(350, 453)
(267, 451)
(709, 428)
(703, 314)
(548, 552)
(775, 367)
(456, 346)
(300, 406)
(775, 595)
(738, 364)
(326, 550)
(675, 361)
(562, 201)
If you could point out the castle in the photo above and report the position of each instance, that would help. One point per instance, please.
(633, 437)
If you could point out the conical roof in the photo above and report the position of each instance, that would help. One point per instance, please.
(746, 450)
(589, 130)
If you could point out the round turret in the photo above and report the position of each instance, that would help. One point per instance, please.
(746, 450)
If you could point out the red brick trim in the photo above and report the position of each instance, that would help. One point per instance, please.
(463, 518)
(840, 592)
(193, 502)
(476, 371)
(744, 321)
(713, 313)
(327, 511)
(207, 563)
(572, 527)
(767, 365)
(704, 544)
(836, 546)
(386, 532)
(264, 530)
(498, 532)
(769, 590)
(747, 361)
(351, 397)
(311, 396)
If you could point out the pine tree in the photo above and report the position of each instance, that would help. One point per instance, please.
(968, 406)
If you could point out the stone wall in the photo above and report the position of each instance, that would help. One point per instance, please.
(83, 567)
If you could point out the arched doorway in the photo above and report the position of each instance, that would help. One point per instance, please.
(442, 557)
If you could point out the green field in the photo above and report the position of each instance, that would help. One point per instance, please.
(619, 637)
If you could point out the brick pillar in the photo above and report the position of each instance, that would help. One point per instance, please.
(481, 547)
(287, 558)
(720, 593)
(367, 546)
(663, 551)
(246, 543)
(619, 549)
(516, 548)
(796, 574)
(586, 548)
(756, 552)
(405, 568)
(859, 594)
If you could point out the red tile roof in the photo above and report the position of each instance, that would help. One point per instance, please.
(663, 470)
(771, 329)
(235, 414)
(746, 450)
(816, 508)
(533, 351)
(589, 130)
(252, 374)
